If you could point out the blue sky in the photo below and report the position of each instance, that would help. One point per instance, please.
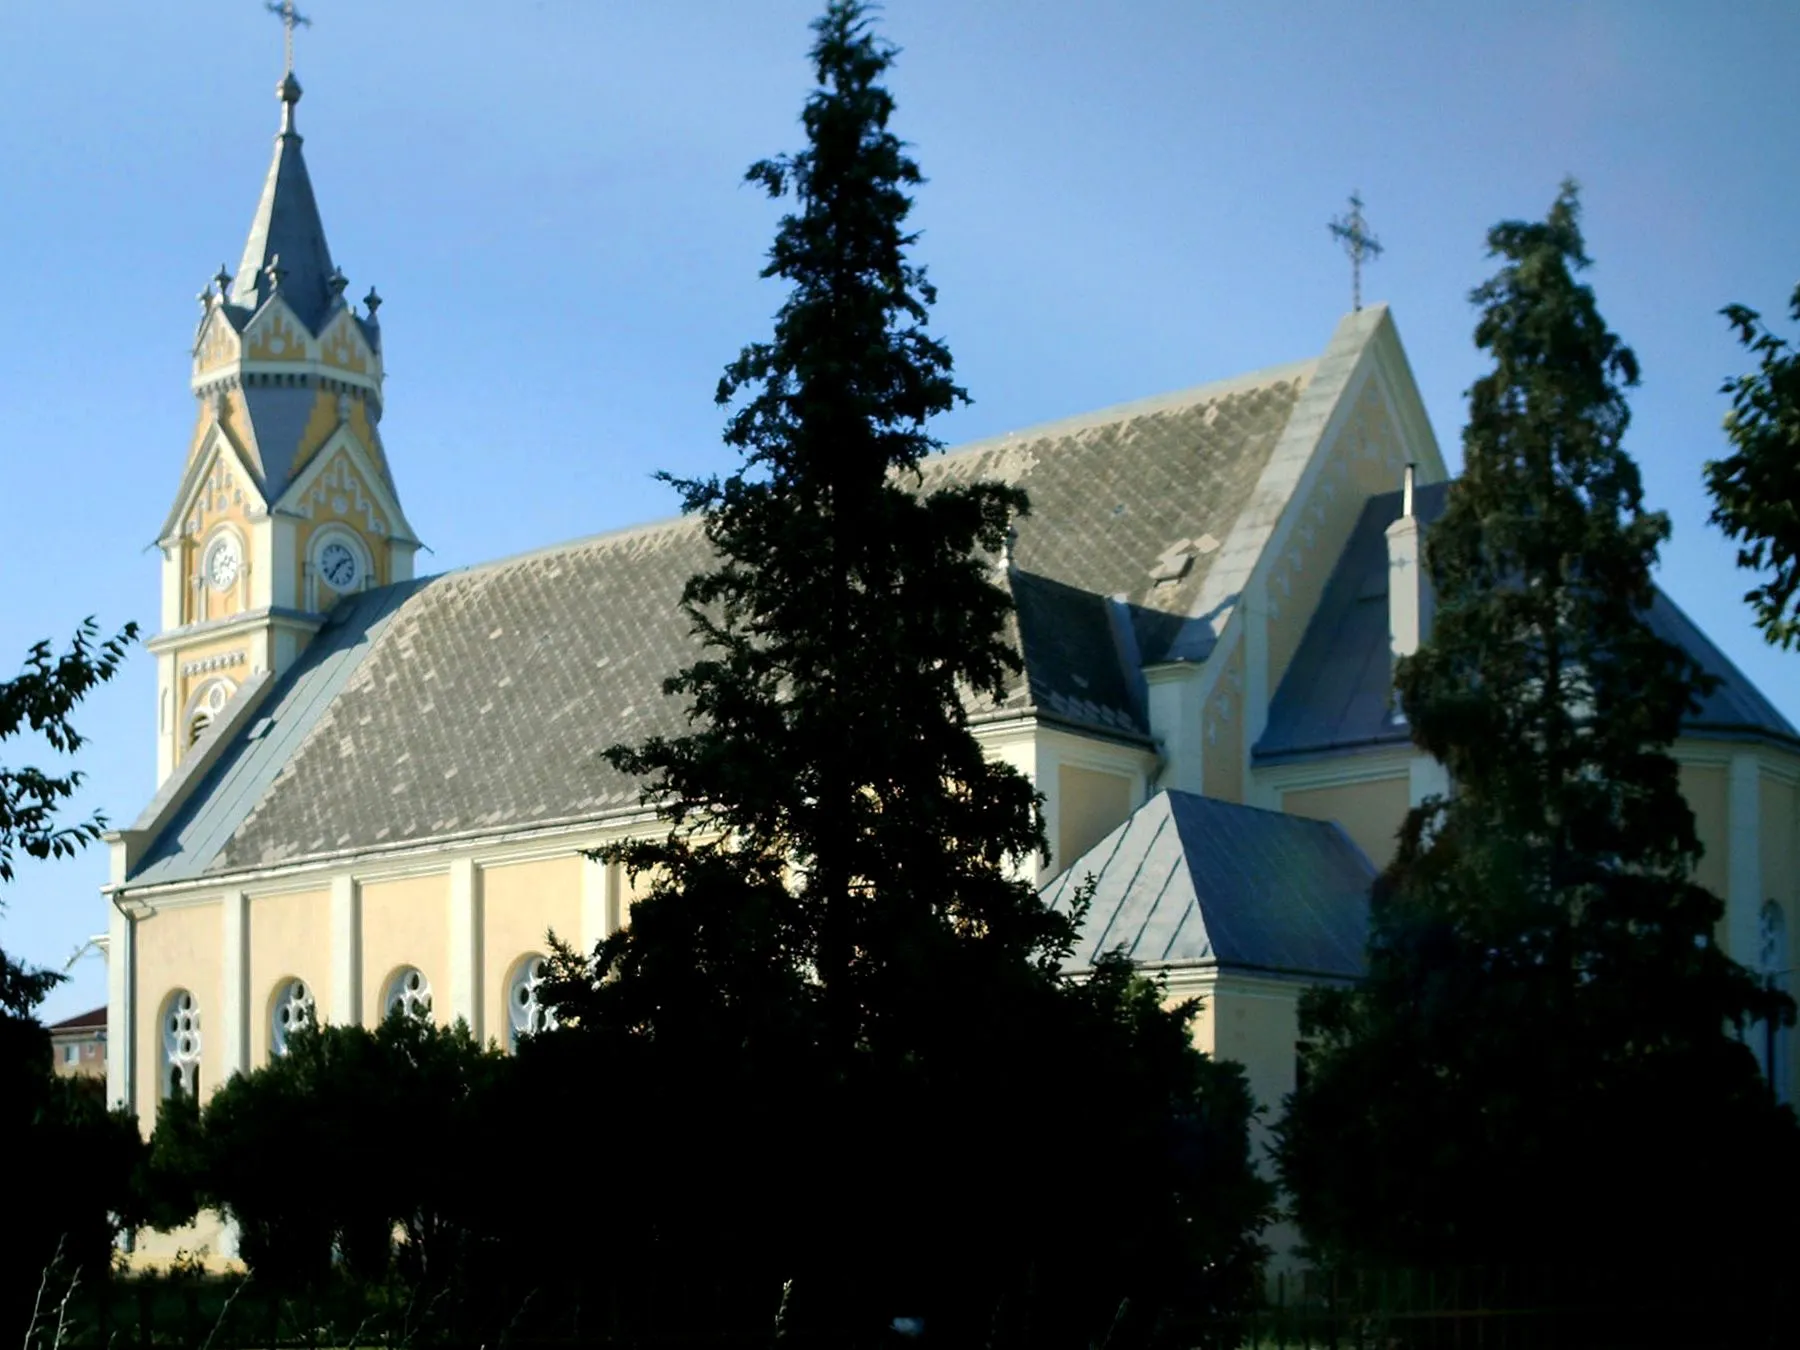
(1124, 199)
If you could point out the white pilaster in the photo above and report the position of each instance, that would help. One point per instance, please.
(1175, 722)
(599, 903)
(465, 944)
(1426, 777)
(346, 952)
(234, 981)
(1256, 672)
(1744, 897)
(121, 1012)
(167, 735)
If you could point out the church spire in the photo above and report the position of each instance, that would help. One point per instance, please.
(286, 249)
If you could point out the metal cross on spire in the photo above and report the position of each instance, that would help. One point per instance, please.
(290, 18)
(1353, 231)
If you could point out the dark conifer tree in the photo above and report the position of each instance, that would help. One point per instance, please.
(837, 1015)
(1543, 1063)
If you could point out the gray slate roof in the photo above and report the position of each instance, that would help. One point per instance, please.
(287, 224)
(1192, 881)
(1335, 694)
(480, 701)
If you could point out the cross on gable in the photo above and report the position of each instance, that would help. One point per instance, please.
(1352, 230)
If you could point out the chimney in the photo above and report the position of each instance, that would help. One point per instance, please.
(1409, 599)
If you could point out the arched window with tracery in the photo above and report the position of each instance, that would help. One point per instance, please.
(1772, 1047)
(525, 1010)
(408, 994)
(180, 1045)
(204, 707)
(291, 1010)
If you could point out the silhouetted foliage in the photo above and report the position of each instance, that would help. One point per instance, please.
(349, 1140)
(1541, 1067)
(858, 1084)
(1756, 488)
(70, 1159)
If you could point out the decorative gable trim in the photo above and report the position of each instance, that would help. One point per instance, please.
(379, 507)
(217, 446)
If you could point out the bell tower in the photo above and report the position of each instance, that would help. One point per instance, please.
(286, 501)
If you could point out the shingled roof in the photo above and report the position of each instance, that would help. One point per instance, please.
(1197, 882)
(479, 701)
(1334, 697)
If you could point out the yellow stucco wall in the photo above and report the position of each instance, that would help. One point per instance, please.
(228, 659)
(519, 904)
(225, 497)
(1222, 759)
(1365, 458)
(275, 337)
(1780, 828)
(1780, 832)
(1371, 812)
(343, 346)
(290, 939)
(1257, 1024)
(1708, 793)
(1090, 802)
(178, 949)
(406, 923)
(219, 345)
(340, 484)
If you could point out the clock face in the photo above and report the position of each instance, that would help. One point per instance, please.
(223, 562)
(338, 565)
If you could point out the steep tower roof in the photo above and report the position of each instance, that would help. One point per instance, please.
(287, 246)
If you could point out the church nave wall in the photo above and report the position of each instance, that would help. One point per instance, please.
(289, 939)
(406, 923)
(520, 904)
(1370, 811)
(177, 948)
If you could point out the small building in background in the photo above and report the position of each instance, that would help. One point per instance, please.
(78, 1044)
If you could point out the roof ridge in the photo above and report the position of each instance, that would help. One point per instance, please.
(1152, 403)
(1179, 398)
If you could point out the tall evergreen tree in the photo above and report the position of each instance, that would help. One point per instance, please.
(838, 1011)
(1756, 488)
(1541, 1065)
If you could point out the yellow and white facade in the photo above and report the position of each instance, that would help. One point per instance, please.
(378, 792)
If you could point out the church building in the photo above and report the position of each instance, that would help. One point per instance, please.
(1211, 589)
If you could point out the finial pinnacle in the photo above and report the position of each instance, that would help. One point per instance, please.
(288, 91)
(223, 281)
(337, 281)
(274, 272)
(373, 301)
